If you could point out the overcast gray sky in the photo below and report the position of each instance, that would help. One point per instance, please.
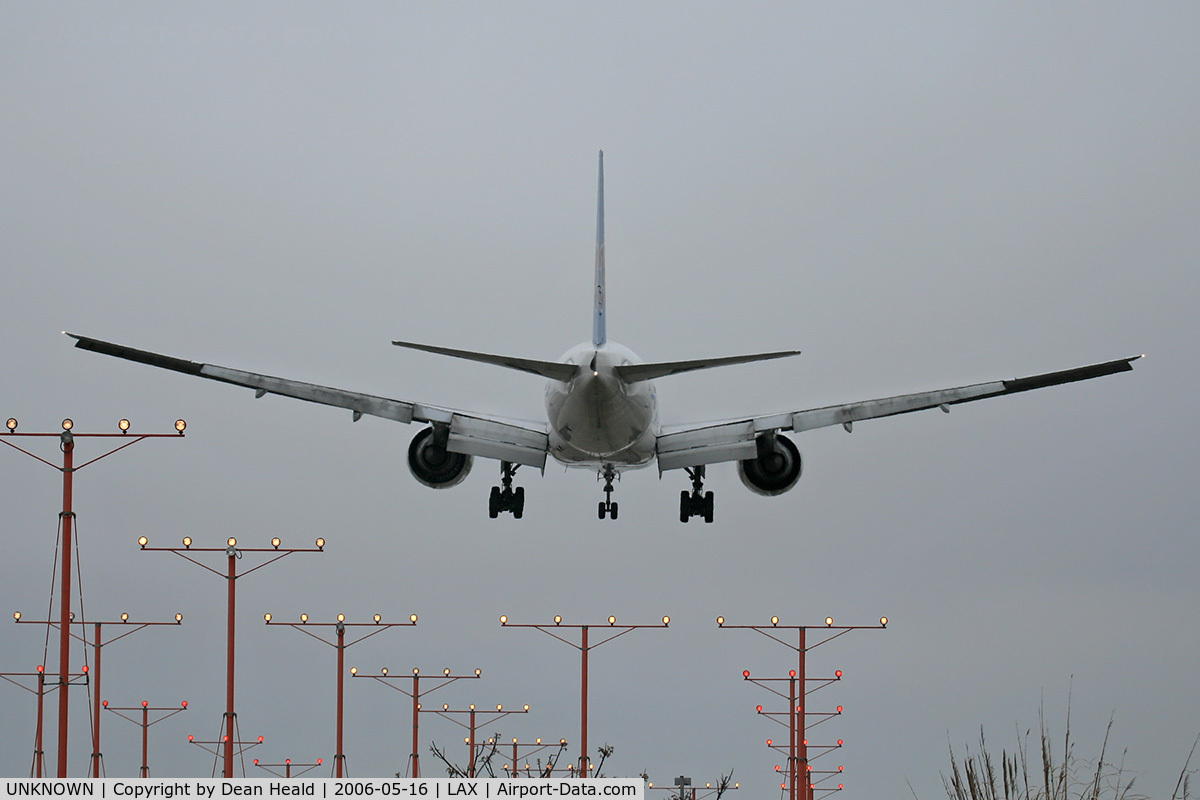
(917, 196)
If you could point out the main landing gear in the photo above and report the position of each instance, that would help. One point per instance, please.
(696, 503)
(607, 507)
(507, 498)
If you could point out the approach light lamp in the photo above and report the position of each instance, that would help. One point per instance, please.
(446, 671)
(478, 672)
(353, 671)
(472, 706)
(187, 541)
(499, 706)
(341, 617)
(180, 425)
(145, 703)
(774, 620)
(666, 621)
(304, 617)
(12, 424)
(124, 616)
(837, 674)
(504, 619)
(179, 617)
(557, 619)
(143, 541)
(16, 616)
(320, 544)
(720, 621)
(275, 542)
(377, 618)
(68, 424)
(828, 621)
(883, 622)
(612, 620)
(383, 671)
(416, 671)
(231, 541)
(266, 617)
(526, 707)
(412, 618)
(123, 425)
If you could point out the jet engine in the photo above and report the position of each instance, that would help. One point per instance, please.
(433, 465)
(775, 469)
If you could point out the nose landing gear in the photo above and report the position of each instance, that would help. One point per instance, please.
(607, 507)
(697, 503)
(507, 498)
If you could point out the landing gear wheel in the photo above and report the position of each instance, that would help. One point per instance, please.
(607, 508)
(697, 502)
(505, 497)
(494, 502)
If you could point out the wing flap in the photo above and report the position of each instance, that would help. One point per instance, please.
(503, 441)
(732, 441)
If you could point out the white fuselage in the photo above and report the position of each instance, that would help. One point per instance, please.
(598, 419)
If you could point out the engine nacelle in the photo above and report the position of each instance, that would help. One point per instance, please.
(775, 469)
(435, 466)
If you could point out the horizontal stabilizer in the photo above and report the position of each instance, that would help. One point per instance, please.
(632, 373)
(555, 370)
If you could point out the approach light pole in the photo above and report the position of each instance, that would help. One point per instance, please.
(584, 647)
(287, 766)
(682, 792)
(232, 553)
(445, 679)
(536, 746)
(798, 761)
(36, 769)
(145, 722)
(340, 644)
(66, 443)
(97, 643)
(473, 724)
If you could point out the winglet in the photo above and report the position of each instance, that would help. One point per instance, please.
(599, 333)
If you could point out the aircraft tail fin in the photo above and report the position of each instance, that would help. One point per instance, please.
(599, 333)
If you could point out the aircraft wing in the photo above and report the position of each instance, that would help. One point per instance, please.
(471, 433)
(734, 440)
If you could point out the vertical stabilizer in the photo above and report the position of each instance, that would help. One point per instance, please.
(599, 334)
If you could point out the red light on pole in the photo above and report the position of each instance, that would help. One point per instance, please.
(799, 686)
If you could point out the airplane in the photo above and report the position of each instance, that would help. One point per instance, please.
(602, 414)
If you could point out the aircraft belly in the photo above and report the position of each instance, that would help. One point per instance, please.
(595, 425)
